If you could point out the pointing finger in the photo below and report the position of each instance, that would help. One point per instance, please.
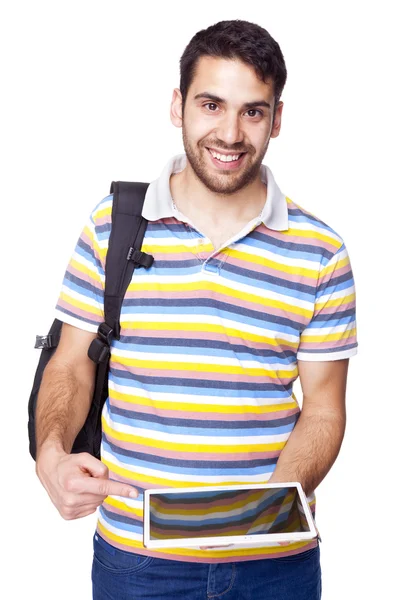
(107, 487)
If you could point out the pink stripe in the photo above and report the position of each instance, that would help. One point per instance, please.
(332, 310)
(86, 277)
(105, 220)
(274, 272)
(119, 511)
(78, 312)
(336, 273)
(288, 237)
(191, 454)
(201, 335)
(329, 345)
(210, 416)
(204, 375)
(231, 300)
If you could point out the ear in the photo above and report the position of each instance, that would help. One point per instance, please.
(276, 127)
(176, 108)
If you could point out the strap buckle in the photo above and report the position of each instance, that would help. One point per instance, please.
(99, 351)
(140, 258)
(105, 333)
(45, 342)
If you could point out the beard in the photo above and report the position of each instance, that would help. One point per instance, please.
(226, 182)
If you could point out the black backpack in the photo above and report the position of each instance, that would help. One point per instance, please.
(123, 256)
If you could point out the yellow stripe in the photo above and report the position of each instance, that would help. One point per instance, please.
(202, 368)
(178, 249)
(208, 286)
(201, 553)
(199, 408)
(94, 243)
(86, 270)
(315, 235)
(87, 307)
(187, 447)
(335, 302)
(332, 337)
(206, 328)
(279, 267)
(334, 267)
(122, 506)
(102, 212)
(156, 481)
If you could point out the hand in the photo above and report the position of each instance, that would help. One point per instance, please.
(77, 483)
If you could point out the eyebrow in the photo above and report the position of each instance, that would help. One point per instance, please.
(248, 105)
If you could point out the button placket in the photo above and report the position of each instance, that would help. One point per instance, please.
(201, 257)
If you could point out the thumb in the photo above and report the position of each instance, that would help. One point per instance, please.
(92, 466)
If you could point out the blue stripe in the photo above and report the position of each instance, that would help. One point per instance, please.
(333, 322)
(77, 317)
(84, 250)
(278, 284)
(205, 472)
(119, 416)
(197, 386)
(286, 248)
(82, 287)
(121, 521)
(214, 307)
(263, 321)
(140, 419)
(345, 282)
(264, 282)
(212, 347)
(196, 465)
(330, 350)
(298, 216)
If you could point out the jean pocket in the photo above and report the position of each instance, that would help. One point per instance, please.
(116, 561)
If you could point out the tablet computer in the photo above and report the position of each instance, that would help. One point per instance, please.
(258, 514)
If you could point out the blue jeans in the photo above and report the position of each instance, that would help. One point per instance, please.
(119, 575)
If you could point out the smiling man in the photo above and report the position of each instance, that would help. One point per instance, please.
(247, 293)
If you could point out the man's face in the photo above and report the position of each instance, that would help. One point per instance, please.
(227, 123)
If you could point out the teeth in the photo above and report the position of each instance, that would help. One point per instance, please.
(224, 157)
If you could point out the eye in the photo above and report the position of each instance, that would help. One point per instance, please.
(212, 107)
(254, 112)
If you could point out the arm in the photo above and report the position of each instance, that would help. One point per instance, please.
(314, 444)
(65, 392)
(76, 483)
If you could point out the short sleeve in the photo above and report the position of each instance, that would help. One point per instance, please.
(331, 333)
(81, 300)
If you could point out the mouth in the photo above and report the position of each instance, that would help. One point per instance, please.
(227, 161)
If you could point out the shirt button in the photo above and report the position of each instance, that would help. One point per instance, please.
(210, 268)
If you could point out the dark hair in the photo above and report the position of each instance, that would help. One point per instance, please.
(235, 39)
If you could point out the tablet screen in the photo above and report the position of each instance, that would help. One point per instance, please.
(205, 514)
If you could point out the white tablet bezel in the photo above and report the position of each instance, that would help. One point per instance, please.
(266, 538)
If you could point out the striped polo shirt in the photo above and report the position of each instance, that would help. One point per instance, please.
(200, 382)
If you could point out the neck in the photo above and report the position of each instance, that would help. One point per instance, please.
(194, 199)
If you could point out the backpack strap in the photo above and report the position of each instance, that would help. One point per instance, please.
(127, 233)
(123, 256)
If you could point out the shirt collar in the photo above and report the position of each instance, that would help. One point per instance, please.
(158, 202)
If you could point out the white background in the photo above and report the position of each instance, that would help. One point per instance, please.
(85, 99)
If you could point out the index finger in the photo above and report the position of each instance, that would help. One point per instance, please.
(108, 487)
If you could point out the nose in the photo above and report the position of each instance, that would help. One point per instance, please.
(229, 128)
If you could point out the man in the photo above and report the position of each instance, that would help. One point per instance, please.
(247, 292)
